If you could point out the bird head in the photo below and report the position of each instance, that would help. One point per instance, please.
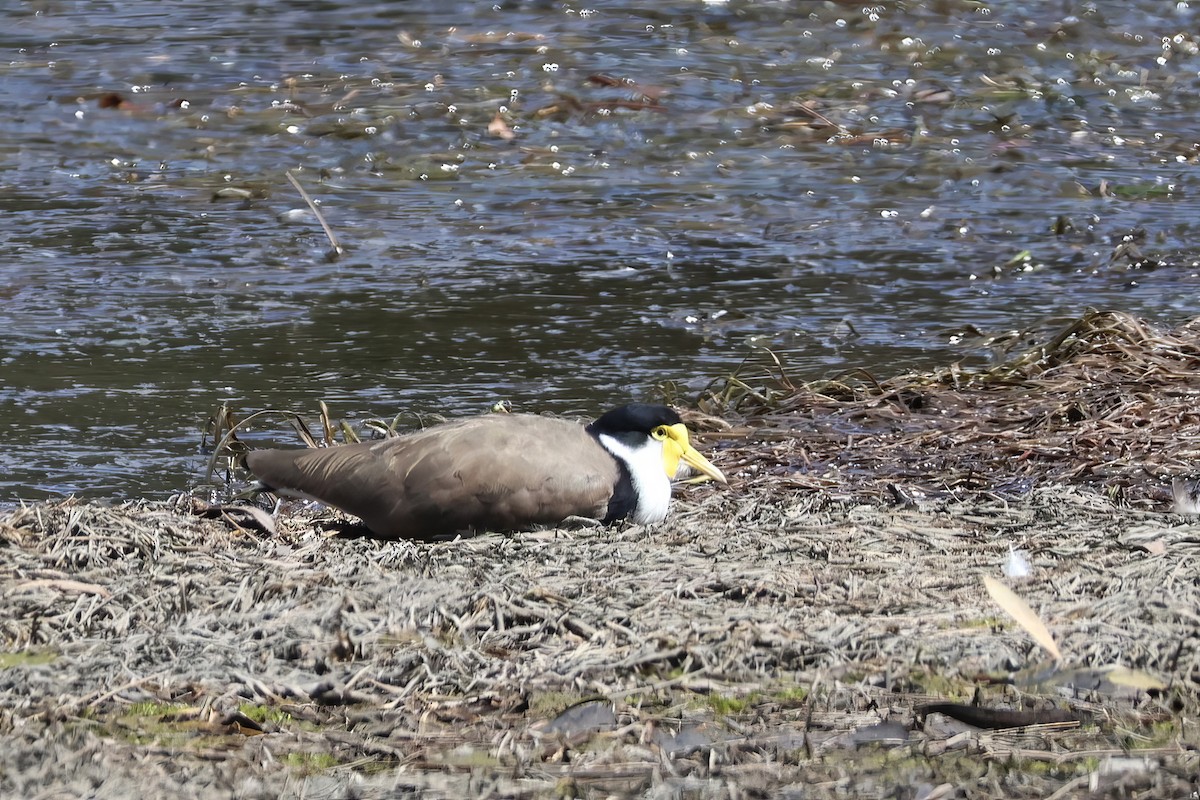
(638, 425)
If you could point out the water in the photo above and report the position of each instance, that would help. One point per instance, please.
(625, 238)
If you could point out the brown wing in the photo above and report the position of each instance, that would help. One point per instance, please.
(499, 472)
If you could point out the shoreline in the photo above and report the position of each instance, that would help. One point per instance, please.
(756, 641)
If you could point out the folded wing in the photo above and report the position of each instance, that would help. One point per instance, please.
(498, 472)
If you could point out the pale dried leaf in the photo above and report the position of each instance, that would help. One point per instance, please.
(1025, 616)
(1134, 679)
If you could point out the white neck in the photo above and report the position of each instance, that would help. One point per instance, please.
(650, 481)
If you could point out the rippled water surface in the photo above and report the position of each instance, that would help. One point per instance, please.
(561, 205)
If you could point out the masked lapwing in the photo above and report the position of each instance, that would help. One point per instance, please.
(500, 472)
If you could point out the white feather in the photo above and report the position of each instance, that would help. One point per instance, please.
(1187, 496)
(1017, 565)
(650, 481)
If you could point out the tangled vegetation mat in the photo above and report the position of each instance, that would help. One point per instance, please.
(819, 629)
(1108, 402)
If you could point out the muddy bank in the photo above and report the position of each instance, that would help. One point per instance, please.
(761, 642)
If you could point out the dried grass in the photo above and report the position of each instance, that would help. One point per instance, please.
(766, 640)
(743, 646)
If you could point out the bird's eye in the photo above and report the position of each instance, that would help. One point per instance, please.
(659, 433)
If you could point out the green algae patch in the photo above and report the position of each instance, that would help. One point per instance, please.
(469, 758)
(27, 658)
(266, 714)
(166, 725)
(726, 704)
(553, 703)
(310, 763)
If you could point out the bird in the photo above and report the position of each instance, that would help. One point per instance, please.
(497, 472)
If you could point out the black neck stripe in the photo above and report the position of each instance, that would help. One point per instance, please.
(624, 498)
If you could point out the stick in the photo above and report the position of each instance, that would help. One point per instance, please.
(335, 248)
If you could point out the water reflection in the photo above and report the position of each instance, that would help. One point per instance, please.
(674, 187)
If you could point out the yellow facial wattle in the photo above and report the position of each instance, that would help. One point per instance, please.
(676, 448)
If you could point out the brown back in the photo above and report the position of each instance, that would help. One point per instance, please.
(497, 472)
